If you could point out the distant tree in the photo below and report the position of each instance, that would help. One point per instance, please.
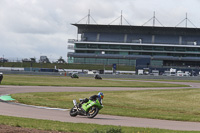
(44, 59)
(33, 60)
(61, 60)
(3, 60)
(26, 60)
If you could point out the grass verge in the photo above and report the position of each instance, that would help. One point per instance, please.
(182, 105)
(72, 127)
(81, 82)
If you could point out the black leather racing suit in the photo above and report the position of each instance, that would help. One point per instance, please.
(93, 98)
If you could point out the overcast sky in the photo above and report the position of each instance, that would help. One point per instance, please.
(31, 28)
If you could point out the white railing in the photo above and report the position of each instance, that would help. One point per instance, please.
(71, 40)
(71, 47)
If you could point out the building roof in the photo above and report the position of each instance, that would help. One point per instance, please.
(129, 29)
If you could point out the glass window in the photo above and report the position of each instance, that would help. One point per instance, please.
(180, 49)
(192, 49)
(90, 51)
(146, 53)
(133, 62)
(160, 54)
(70, 59)
(124, 61)
(101, 61)
(111, 52)
(136, 47)
(169, 48)
(158, 48)
(92, 46)
(80, 46)
(147, 47)
(125, 47)
(133, 53)
(156, 62)
(98, 52)
(112, 61)
(90, 60)
(191, 55)
(123, 53)
(79, 60)
(114, 46)
(103, 46)
(80, 51)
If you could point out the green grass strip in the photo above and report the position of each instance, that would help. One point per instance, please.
(76, 127)
(81, 82)
(181, 105)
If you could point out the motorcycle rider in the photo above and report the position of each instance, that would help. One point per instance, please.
(98, 97)
(1, 77)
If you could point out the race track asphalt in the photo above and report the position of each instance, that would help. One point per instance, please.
(10, 109)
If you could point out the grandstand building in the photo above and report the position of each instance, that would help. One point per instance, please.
(145, 46)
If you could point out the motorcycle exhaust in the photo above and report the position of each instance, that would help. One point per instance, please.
(74, 102)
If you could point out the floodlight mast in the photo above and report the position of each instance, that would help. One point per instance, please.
(154, 18)
(186, 19)
(121, 17)
(121, 20)
(186, 22)
(89, 16)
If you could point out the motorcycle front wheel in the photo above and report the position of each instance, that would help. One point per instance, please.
(93, 111)
(73, 112)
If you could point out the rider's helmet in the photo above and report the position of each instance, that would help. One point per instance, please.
(100, 94)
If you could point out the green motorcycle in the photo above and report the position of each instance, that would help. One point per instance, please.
(89, 109)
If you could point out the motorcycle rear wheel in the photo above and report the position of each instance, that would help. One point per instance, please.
(93, 111)
(73, 112)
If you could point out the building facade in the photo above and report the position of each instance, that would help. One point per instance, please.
(136, 46)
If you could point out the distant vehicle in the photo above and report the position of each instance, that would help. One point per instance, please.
(125, 72)
(140, 72)
(90, 72)
(172, 72)
(180, 73)
(193, 73)
(146, 71)
(155, 72)
(187, 73)
(166, 73)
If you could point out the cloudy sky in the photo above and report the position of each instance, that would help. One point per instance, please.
(31, 28)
